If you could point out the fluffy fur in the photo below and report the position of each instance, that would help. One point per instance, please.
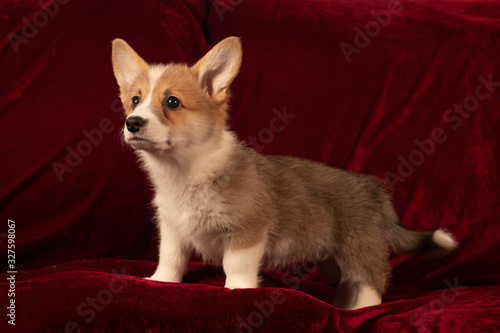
(235, 206)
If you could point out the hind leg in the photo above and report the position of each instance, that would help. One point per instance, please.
(330, 271)
(356, 295)
(364, 278)
(346, 291)
(366, 295)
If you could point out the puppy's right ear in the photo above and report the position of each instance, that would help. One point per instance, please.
(127, 64)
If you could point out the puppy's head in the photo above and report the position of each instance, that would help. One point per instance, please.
(174, 106)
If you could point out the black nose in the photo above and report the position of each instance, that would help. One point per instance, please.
(135, 123)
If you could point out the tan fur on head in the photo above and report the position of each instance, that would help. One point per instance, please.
(201, 89)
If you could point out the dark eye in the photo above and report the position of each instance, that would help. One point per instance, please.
(172, 102)
(135, 100)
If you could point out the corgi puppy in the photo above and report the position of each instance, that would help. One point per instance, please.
(233, 205)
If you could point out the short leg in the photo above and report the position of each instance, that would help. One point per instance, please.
(174, 256)
(366, 296)
(362, 282)
(365, 269)
(242, 266)
(354, 296)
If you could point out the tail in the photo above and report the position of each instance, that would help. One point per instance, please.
(437, 242)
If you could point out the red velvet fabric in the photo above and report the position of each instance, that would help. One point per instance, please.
(405, 91)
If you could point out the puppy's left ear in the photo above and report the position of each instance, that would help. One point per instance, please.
(218, 68)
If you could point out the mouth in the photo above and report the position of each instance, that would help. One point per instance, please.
(137, 139)
(145, 144)
(140, 143)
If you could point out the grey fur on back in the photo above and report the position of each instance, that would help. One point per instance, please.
(316, 212)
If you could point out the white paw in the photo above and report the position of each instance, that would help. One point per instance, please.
(164, 278)
(233, 282)
(367, 296)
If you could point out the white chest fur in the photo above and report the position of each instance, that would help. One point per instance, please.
(197, 216)
(186, 199)
(191, 209)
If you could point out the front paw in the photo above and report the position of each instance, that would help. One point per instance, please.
(165, 277)
(241, 282)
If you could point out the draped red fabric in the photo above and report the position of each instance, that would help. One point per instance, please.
(408, 91)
